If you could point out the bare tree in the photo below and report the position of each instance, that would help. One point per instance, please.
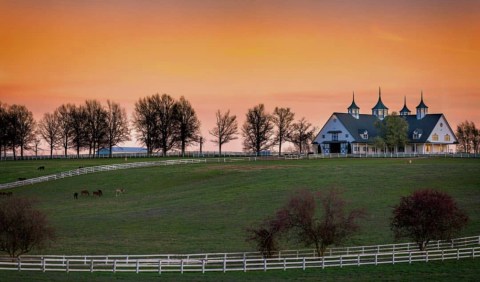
(468, 137)
(226, 127)
(3, 129)
(78, 128)
(266, 236)
(166, 123)
(282, 118)
(96, 125)
(188, 125)
(64, 113)
(257, 130)
(427, 215)
(301, 135)
(21, 128)
(117, 125)
(145, 124)
(333, 225)
(49, 129)
(22, 227)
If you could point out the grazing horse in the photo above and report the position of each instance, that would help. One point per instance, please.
(119, 191)
(97, 193)
(75, 195)
(85, 193)
(41, 167)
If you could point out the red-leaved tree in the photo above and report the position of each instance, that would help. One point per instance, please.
(427, 215)
(266, 236)
(330, 224)
(22, 227)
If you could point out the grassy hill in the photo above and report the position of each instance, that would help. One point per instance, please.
(206, 207)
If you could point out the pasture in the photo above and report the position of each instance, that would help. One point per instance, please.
(206, 207)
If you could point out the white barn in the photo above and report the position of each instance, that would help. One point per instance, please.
(354, 133)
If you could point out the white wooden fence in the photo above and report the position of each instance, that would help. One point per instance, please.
(93, 169)
(289, 259)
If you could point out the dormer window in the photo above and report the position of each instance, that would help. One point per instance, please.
(364, 135)
(417, 134)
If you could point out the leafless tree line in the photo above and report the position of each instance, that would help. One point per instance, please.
(161, 124)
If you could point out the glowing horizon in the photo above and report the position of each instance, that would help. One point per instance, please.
(233, 55)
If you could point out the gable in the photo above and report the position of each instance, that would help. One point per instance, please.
(441, 132)
(334, 126)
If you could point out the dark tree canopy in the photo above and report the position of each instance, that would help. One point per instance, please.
(144, 122)
(393, 129)
(22, 227)
(282, 118)
(427, 215)
(266, 236)
(3, 128)
(225, 130)
(257, 130)
(96, 125)
(78, 128)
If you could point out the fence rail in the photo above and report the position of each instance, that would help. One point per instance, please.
(230, 261)
(203, 265)
(93, 169)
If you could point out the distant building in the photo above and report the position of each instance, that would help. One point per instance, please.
(353, 133)
(122, 151)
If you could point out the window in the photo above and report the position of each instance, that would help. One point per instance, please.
(334, 136)
(447, 137)
(441, 124)
(323, 136)
(435, 137)
(346, 135)
(416, 134)
(364, 135)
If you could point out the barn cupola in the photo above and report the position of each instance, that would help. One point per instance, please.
(422, 109)
(354, 110)
(380, 110)
(404, 111)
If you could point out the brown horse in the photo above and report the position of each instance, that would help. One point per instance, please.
(85, 193)
(97, 193)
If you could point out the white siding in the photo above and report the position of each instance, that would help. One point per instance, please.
(441, 129)
(333, 124)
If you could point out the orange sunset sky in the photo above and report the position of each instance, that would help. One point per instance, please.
(231, 54)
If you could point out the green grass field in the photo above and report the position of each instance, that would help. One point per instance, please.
(206, 207)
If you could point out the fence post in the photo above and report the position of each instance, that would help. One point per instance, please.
(393, 258)
(358, 260)
(114, 265)
(426, 257)
(244, 263)
(137, 266)
(284, 264)
(410, 257)
(341, 261)
(91, 265)
(68, 265)
(203, 266)
(225, 263)
(376, 258)
(19, 261)
(264, 264)
(181, 266)
(443, 255)
(303, 263)
(458, 254)
(159, 266)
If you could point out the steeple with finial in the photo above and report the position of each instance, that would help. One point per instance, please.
(422, 109)
(405, 111)
(354, 110)
(380, 110)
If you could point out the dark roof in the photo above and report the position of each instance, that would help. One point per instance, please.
(367, 122)
(380, 105)
(124, 150)
(405, 109)
(422, 104)
(356, 126)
